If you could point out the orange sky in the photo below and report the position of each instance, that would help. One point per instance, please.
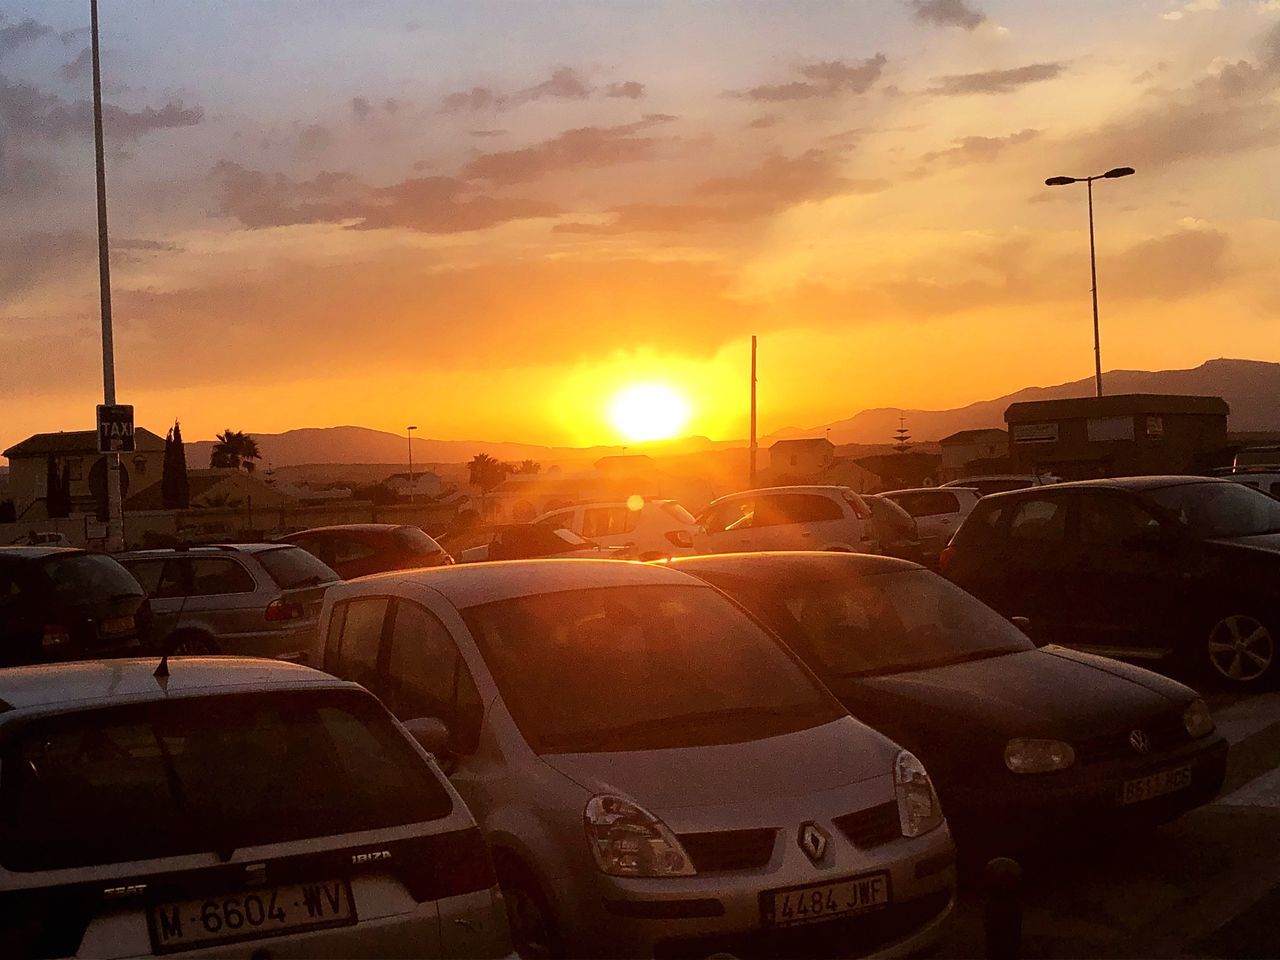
(398, 217)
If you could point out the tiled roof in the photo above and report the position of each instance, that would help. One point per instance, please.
(78, 442)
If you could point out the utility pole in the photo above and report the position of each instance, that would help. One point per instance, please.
(115, 510)
(409, 432)
(752, 474)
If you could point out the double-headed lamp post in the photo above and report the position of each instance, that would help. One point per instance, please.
(409, 433)
(1093, 259)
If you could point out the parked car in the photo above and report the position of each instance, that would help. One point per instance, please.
(1268, 481)
(656, 774)
(938, 512)
(230, 802)
(787, 518)
(523, 541)
(58, 603)
(1002, 482)
(1149, 567)
(895, 530)
(256, 599)
(1024, 743)
(358, 549)
(648, 529)
(43, 538)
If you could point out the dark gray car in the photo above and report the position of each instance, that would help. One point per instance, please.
(260, 599)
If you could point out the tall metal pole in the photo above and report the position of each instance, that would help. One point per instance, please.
(752, 471)
(115, 511)
(1093, 275)
(409, 433)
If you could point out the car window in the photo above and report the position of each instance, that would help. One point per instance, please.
(361, 641)
(426, 676)
(333, 639)
(931, 503)
(10, 589)
(1218, 509)
(347, 550)
(303, 765)
(730, 515)
(213, 576)
(292, 567)
(1039, 519)
(414, 541)
(607, 521)
(795, 508)
(148, 574)
(88, 578)
(1113, 521)
(677, 512)
(561, 518)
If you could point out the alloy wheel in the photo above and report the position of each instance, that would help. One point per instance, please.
(529, 927)
(1241, 648)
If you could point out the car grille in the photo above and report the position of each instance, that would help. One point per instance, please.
(871, 827)
(723, 850)
(850, 937)
(1165, 733)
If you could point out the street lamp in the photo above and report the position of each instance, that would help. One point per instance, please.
(1112, 174)
(409, 432)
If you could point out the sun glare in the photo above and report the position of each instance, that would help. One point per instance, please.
(649, 411)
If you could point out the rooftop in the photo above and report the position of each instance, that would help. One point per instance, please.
(802, 442)
(1121, 404)
(975, 436)
(78, 442)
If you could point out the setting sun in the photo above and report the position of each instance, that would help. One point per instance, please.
(649, 411)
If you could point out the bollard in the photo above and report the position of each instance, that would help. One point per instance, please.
(1003, 914)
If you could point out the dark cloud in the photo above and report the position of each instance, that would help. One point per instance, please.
(823, 79)
(583, 147)
(24, 174)
(428, 204)
(979, 149)
(947, 13)
(69, 37)
(28, 259)
(1176, 265)
(30, 112)
(565, 83)
(764, 121)
(628, 90)
(79, 68)
(313, 139)
(477, 98)
(20, 34)
(361, 108)
(996, 81)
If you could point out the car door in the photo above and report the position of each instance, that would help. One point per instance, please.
(353, 647)
(221, 597)
(726, 526)
(937, 515)
(164, 580)
(802, 521)
(1036, 566)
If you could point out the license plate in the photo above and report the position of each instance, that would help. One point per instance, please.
(1156, 785)
(822, 901)
(114, 626)
(249, 915)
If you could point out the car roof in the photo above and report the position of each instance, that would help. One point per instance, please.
(100, 682)
(38, 552)
(470, 584)
(1113, 483)
(794, 488)
(791, 564)
(943, 489)
(1033, 477)
(207, 548)
(350, 528)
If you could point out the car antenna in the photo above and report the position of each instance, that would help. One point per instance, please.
(163, 669)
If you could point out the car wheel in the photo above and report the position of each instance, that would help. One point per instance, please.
(533, 932)
(1241, 650)
(191, 645)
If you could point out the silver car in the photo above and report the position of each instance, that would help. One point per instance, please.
(257, 599)
(655, 773)
(232, 808)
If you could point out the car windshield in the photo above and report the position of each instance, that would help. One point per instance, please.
(572, 539)
(1220, 509)
(636, 668)
(848, 626)
(89, 577)
(151, 780)
(415, 541)
(292, 567)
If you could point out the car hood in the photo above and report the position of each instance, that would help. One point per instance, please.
(1051, 691)
(1263, 543)
(831, 755)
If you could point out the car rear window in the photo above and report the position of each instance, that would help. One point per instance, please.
(89, 577)
(216, 773)
(415, 541)
(678, 512)
(292, 567)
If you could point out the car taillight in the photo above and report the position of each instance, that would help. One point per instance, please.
(946, 558)
(55, 635)
(284, 610)
(680, 538)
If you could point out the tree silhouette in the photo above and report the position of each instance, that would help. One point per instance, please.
(487, 473)
(57, 497)
(529, 467)
(175, 492)
(235, 450)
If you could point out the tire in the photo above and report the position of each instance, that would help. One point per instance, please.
(533, 928)
(190, 645)
(1240, 651)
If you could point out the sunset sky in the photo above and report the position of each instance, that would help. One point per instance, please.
(487, 219)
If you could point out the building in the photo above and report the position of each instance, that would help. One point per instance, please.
(801, 457)
(77, 450)
(973, 452)
(425, 486)
(1123, 435)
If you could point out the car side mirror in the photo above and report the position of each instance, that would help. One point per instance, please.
(432, 734)
(1022, 623)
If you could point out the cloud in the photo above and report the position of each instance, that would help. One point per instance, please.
(565, 83)
(477, 98)
(764, 121)
(20, 34)
(1193, 6)
(629, 90)
(361, 108)
(823, 79)
(438, 205)
(28, 111)
(313, 139)
(947, 13)
(79, 68)
(583, 147)
(28, 259)
(24, 174)
(996, 81)
(487, 133)
(979, 149)
(1176, 265)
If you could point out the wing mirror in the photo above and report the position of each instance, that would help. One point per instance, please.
(1022, 623)
(431, 733)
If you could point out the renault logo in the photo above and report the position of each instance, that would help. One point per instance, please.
(1140, 742)
(813, 840)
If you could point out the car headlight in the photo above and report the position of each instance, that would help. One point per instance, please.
(1038, 756)
(1197, 719)
(629, 841)
(918, 808)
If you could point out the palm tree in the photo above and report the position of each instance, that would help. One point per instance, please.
(529, 467)
(235, 450)
(486, 473)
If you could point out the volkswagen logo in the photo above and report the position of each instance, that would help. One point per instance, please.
(1140, 742)
(813, 840)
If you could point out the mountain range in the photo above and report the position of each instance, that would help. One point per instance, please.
(1251, 387)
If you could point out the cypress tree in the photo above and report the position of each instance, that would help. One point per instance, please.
(181, 486)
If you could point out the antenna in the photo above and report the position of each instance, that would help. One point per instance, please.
(163, 669)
